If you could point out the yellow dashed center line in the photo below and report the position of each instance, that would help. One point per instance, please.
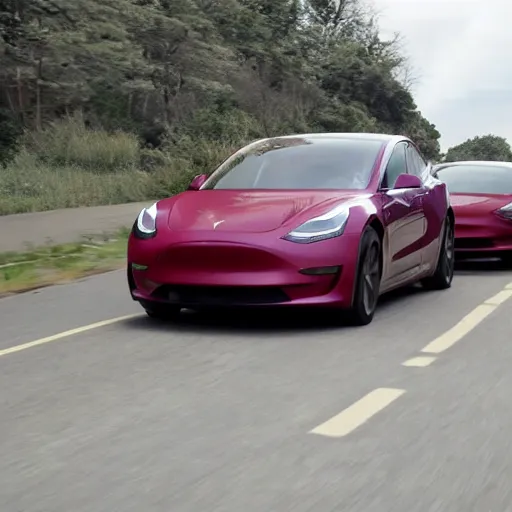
(459, 330)
(361, 411)
(499, 298)
(468, 323)
(420, 361)
(358, 413)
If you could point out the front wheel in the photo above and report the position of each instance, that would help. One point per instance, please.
(443, 276)
(367, 280)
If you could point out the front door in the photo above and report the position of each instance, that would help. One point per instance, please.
(404, 222)
(433, 217)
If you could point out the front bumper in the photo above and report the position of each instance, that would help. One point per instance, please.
(220, 272)
(481, 236)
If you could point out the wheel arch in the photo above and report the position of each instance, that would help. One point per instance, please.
(451, 215)
(376, 224)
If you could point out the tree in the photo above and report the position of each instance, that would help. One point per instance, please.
(206, 69)
(10, 130)
(486, 147)
(425, 135)
(57, 51)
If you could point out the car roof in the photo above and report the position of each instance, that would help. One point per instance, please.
(486, 163)
(354, 136)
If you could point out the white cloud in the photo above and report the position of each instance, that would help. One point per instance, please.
(461, 53)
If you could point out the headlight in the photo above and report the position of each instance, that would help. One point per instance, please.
(505, 211)
(329, 225)
(145, 225)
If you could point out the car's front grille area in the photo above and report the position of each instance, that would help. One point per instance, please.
(473, 243)
(221, 295)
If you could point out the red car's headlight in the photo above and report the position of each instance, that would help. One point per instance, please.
(326, 226)
(505, 211)
(145, 225)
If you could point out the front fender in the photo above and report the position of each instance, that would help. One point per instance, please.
(361, 214)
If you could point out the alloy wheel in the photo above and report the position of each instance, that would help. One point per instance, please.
(371, 277)
(449, 252)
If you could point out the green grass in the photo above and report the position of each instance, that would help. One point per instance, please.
(28, 185)
(67, 165)
(31, 186)
(48, 265)
(68, 143)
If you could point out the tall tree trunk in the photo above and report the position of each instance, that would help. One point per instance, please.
(19, 87)
(38, 94)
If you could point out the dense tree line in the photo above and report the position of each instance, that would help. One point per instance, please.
(486, 147)
(174, 70)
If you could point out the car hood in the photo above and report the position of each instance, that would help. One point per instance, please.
(478, 203)
(250, 212)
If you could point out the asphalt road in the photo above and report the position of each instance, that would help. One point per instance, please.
(215, 414)
(64, 226)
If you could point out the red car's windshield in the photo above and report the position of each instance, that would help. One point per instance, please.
(477, 179)
(299, 163)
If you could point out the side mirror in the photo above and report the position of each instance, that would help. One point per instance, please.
(407, 181)
(197, 182)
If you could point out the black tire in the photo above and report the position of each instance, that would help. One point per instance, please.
(443, 275)
(162, 311)
(368, 278)
(507, 260)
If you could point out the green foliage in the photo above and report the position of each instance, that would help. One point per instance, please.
(169, 88)
(10, 131)
(218, 124)
(486, 147)
(27, 185)
(51, 264)
(68, 143)
(425, 134)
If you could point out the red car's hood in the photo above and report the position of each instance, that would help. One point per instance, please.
(250, 212)
(478, 204)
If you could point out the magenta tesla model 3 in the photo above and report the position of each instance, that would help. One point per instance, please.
(326, 220)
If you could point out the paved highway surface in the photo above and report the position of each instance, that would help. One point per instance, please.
(255, 413)
(64, 226)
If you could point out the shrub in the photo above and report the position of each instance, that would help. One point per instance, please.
(69, 143)
(28, 185)
(10, 131)
(68, 165)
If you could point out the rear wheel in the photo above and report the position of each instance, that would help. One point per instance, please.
(443, 276)
(367, 280)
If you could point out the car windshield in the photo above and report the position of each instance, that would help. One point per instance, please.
(299, 163)
(477, 179)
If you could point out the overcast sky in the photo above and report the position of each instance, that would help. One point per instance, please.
(461, 53)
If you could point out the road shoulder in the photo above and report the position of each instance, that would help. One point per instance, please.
(24, 231)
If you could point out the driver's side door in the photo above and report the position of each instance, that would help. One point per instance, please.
(404, 223)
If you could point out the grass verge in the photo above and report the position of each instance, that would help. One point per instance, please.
(67, 165)
(44, 266)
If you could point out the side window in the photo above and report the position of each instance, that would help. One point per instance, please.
(396, 166)
(415, 162)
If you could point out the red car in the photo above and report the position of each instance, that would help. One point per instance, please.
(481, 197)
(329, 220)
